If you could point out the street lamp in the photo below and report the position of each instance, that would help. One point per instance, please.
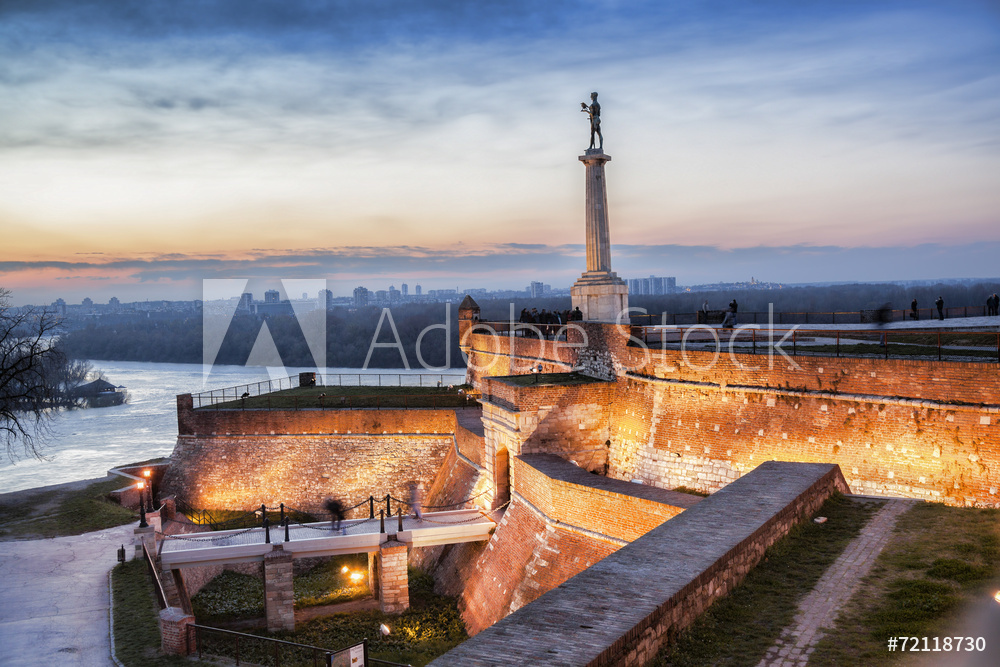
(147, 473)
(142, 506)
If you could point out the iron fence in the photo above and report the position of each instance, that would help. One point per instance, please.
(982, 346)
(242, 392)
(860, 316)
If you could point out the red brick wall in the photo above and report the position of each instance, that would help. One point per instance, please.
(896, 427)
(915, 428)
(613, 514)
(525, 558)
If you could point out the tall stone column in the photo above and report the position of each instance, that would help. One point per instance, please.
(279, 596)
(599, 293)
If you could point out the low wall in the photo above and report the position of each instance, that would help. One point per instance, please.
(621, 610)
(566, 493)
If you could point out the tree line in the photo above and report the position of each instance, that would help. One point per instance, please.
(380, 338)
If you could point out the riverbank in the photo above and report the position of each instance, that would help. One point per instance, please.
(70, 508)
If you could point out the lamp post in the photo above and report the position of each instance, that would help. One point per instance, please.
(142, 506)
(147, 473)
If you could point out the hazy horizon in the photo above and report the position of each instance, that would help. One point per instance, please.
(145, 149)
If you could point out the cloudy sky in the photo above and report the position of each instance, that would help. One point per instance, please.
(146, 146)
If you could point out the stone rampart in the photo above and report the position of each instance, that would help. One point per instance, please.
(566, 493)
(913, 428)
(621, 610)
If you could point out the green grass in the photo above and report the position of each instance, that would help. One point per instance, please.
(428, 629)
(739, 628)
(136, 618)
(328, 583)
(938, 561)
(69, 512)
(234, 596)
(302, 398)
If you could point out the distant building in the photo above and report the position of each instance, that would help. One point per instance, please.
(418, 290)
(272, 296)
(652, 285)
(405, 289)
(246, 302)
(325, 300)
(395, 296)
(361, 297)
(537, 289)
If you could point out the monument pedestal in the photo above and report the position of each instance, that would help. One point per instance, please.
(599, 293)
(601, 297)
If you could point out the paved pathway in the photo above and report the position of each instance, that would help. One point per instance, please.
(55, 598)
(819, 609)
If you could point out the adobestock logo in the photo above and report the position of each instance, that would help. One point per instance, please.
(223, 299)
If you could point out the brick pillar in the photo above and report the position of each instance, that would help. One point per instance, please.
(168, 508)
(279, 601)
(174, 637)
(394, 582)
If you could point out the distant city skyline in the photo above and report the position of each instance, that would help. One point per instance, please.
(143, 150)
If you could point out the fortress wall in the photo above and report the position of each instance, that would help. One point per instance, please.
(916, 428)
(526, 557)
(896, 427)
(566, 494)
(206, 421)
(469, 444)
(625, 607)
(456, 481)
(491, 356)
(243, 471)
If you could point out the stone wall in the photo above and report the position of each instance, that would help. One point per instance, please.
(566, 494)
(242, 472)
(897, 427)
(625, 607)
(913, 428)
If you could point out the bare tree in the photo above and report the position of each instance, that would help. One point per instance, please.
(27, 357)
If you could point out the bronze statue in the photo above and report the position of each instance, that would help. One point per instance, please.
(594, 111)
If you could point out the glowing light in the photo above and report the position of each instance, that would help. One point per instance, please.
(146, 473)
(344, 569)
(140, 485)
(384, 629)
(357, 576)
(996, 596)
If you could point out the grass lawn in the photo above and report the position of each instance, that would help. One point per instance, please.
(739, 628)
(66, 511)
(938, 561)
(428, 629)
(136, 618)
(335, 397)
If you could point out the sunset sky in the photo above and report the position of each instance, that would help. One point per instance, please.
(146, 146)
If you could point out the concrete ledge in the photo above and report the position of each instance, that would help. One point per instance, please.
(621, 610)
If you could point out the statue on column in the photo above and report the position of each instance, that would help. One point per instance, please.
(594, 111)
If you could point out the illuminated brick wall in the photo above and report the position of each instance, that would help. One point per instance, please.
(914, 428)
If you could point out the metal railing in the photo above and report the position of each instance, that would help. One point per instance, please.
(861, 316)
(161, 596)
(258, 650)
(982, 346)
(253, 389)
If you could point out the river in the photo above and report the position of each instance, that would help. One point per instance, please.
(86, 443)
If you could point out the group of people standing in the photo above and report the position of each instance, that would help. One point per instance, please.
(729, 320)
(549, 320)
(993, 305)
(938, 303)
